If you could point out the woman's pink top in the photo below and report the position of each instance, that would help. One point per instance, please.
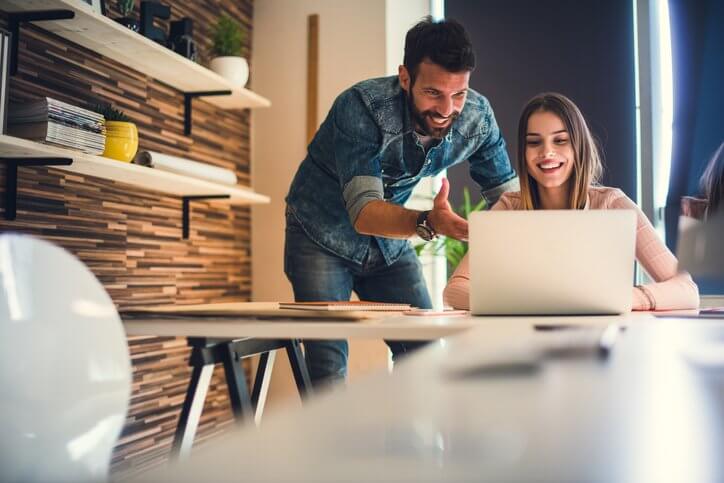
(670, 291)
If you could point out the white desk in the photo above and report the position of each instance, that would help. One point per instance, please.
(652, 411)
(399, 327)
(206, 354)
(228, 329)
(226, 339)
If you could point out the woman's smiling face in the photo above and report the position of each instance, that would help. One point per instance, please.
(549, 154)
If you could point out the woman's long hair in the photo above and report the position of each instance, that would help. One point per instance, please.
(712, 181)
(587, 166)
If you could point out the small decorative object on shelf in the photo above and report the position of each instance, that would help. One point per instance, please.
(186, 167)
(99, 6)
(121, 134)
(181, 38)
(126, 9)
(4, 73)
(228, 40)
(150, 11)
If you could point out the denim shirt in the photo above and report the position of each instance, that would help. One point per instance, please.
(366, 149)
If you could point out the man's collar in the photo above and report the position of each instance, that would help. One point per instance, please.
(408, 124)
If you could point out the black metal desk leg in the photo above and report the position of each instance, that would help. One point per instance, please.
(235, 380)
(191, 410)
(299, 368)
(261, 384)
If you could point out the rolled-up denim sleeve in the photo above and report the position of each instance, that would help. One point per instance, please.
(490, 165)
(359, 191)
(357, 142)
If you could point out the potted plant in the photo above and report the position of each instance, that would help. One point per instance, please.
(121, 134)
(454, 250)
(228, 39)
(125, 7)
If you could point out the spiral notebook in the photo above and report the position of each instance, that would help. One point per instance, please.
(346, 305)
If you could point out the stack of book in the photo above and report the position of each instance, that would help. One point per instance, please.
(54, 122)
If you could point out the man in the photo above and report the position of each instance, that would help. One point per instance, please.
(346, 227)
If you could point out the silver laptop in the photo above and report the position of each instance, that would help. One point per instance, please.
(552, 262)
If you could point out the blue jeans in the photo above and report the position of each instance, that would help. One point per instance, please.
(317, 274)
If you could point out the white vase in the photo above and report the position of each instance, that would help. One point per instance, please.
(232, 68)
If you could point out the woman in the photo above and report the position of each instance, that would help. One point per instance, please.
(559, 167)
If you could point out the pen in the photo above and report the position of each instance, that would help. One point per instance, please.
(608, 339)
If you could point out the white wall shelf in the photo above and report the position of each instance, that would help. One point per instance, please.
(109, 38)
(141, 176)
(13, 149)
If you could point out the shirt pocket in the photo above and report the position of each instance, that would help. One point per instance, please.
(398, 172)
(398, 181)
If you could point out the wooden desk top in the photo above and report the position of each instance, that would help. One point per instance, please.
(390, 327)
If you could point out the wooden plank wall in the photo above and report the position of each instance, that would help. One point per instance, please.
(131, 238)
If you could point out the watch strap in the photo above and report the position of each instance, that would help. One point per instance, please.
(423, 221)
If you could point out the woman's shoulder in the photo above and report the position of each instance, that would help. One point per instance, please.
(510, 200)
(602, 197)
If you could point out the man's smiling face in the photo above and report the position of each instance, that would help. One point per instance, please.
(436, 97)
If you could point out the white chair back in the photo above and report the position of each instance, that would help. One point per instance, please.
(65, 373)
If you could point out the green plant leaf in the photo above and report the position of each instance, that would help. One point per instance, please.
(110, 113)
(125, 7)
(466, 202)
(419, 248)
(228, 37)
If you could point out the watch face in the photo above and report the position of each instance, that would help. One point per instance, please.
(423, 232)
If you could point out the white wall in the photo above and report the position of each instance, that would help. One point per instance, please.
(400, 15)
(353, 47)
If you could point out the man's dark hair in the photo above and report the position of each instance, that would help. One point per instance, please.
(445, 43)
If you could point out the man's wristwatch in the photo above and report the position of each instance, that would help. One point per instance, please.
(424, 229)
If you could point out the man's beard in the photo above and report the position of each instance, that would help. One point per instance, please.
(423, 119)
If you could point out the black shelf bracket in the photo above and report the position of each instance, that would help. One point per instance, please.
(14, 20)
(187, 209)
(188, 97)
(11, 178)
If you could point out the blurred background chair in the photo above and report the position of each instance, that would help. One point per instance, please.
(65, 373)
